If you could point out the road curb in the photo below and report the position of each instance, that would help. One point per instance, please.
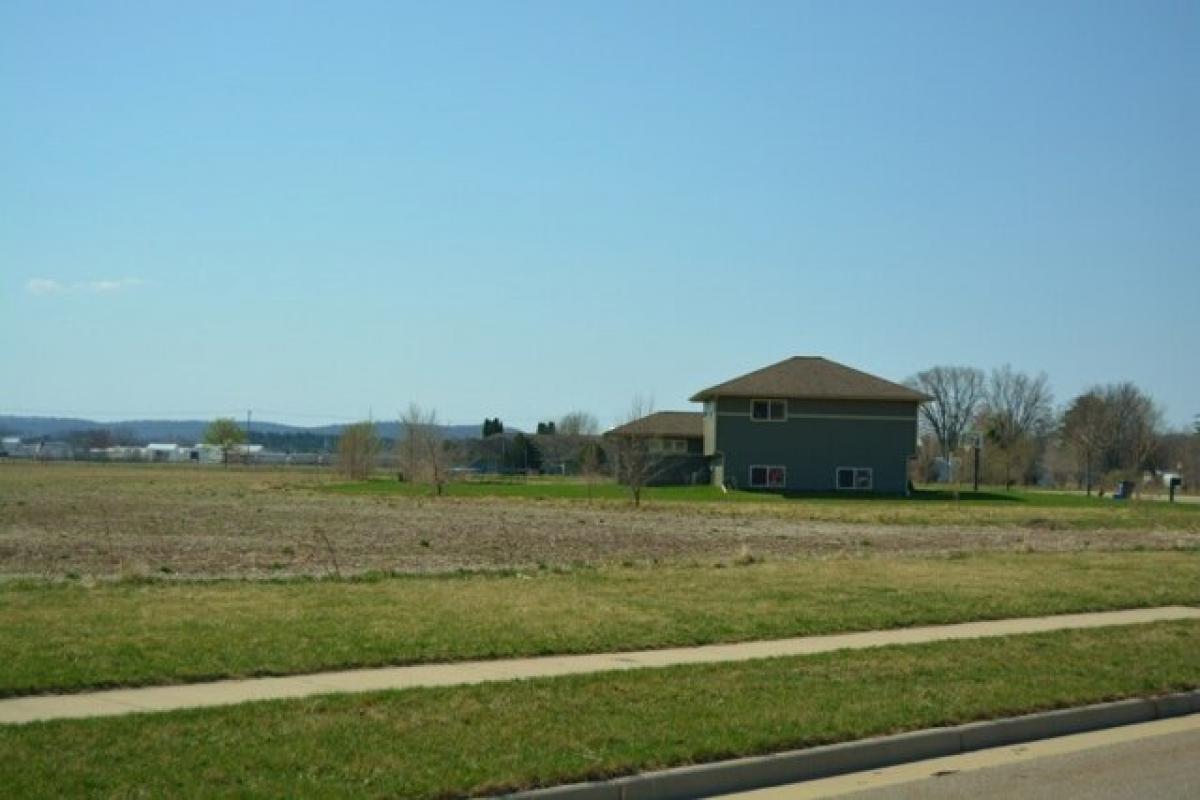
(757, 772)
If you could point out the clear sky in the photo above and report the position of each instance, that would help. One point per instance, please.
(516, 209)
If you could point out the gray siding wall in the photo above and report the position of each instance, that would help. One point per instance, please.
(676, 470)
(817, 438)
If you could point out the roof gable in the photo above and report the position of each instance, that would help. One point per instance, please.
(811, 378)
(679, 424)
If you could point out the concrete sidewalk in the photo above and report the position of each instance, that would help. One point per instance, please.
(220, 693)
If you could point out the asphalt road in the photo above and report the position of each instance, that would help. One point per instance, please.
(1158, 760)
(1161, 767)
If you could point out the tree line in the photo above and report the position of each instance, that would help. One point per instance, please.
(1107, 433)
(421, 454)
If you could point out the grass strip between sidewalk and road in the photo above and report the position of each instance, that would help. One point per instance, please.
(72, 637)
(439, 743)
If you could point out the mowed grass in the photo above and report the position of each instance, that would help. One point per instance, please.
(439, 743)
(70, 636)
(926, 506)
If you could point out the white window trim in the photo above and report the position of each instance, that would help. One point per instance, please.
(855, 487)
(769, 400)
(768, 468)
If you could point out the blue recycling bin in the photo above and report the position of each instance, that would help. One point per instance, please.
(1124, 490)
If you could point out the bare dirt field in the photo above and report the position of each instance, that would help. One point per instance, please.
(111, 520)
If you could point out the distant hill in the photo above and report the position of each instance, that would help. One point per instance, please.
(190, 431)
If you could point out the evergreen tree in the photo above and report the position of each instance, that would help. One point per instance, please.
(524, 454)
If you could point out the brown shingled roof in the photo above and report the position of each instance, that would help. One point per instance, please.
(811, 378)
(681, 424)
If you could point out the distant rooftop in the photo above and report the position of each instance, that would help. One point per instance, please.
(679, 424)
(811, 378)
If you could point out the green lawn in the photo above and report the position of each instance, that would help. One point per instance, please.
(70, 636)
(439, 743)
(542, 488)
(555, 488)
(926, 506)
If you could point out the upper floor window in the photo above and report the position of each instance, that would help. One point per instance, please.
(768, 410)
(669, 445)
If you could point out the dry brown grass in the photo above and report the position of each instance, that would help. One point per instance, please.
(63, 519)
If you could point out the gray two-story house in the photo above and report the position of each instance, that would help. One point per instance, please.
(808, 424)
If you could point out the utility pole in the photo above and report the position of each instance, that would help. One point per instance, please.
(976, 488)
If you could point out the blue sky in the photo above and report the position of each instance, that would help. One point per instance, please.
(323, 210)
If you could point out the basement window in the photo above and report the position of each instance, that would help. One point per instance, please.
(855, 478)
(768, 410)
(768, 477)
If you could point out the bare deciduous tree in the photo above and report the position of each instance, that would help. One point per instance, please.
(578, 423)
(1086, 430)
(1190, 463)
(957, 393)
(357, 448)
(1136, 422)
(637, 463)
(1017, 410)
(591, 460)
(1113, 428)
(420, 450)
